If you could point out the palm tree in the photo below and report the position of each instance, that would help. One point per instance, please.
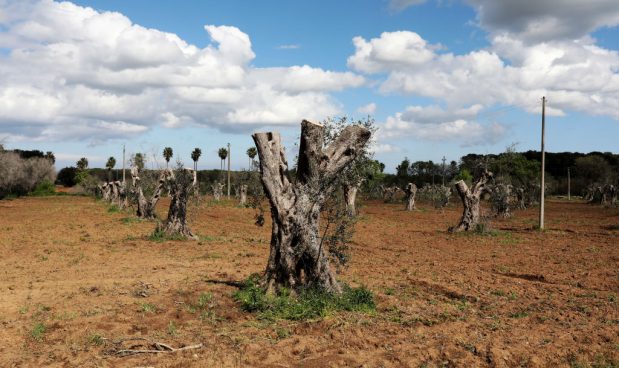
(82, 164)
(222, 153)
(111, 162)
(167, 154)
(251, 152)
(195, 156)
(138, 161)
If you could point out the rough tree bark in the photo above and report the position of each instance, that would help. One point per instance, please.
(470, 201)
(243, 195)
(410, 191)
(520, 199)
(609, 195)
(500, 198)
(350, 197)
(180, 187)
(217, 191)
(296, 257)
(145, 207)
(106, 191)
(114, 193)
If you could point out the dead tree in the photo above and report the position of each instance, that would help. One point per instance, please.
(243, 195)
(410, 191)
(180, 186)
(146, 207)
(297, 257)
(470, 200)
(217, 190)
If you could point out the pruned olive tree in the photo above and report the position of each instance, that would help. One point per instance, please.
(180, 183)
(471, 198)
(410, 191)
(500, 195)
(243, 195)
(297, 257)
(218, 189)
(354, 174)
(146, 206)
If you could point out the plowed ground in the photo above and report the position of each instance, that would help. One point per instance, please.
(74, 277)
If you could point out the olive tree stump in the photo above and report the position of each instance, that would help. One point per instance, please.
(243, 195)
(470, 200)
(146, 207)
(180, 186)
(350, 197)
(218, 189)
(410, 191)
(297, 258)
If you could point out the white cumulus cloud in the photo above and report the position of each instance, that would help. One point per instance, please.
(78, 73)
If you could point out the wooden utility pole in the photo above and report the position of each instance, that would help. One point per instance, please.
(444, 170)
(228, 170)
(569, 194)
(123, 164)
(542, 188)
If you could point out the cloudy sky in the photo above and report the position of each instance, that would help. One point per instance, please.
(440, 77)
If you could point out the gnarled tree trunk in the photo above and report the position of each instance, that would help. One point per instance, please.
(145, 207)
(350, 197)
(470, 201)
(106, 191)
(243, 195)
(520, 199)
(410, 191)
(180, 186)
(500, 198)
(297, 258)
(217, 191)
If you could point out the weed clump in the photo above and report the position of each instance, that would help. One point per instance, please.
(309, 303)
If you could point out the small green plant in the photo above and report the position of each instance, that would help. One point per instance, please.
(96, 339)
(172, 329)
(148, 308)
(519, 314)
(37, 331)
(23, 310)
(113, 209)
(310, 303)
(160, 236)
(44, 188)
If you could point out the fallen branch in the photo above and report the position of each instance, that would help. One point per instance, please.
(147, 347)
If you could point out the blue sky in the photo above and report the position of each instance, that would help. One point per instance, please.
(441, 78)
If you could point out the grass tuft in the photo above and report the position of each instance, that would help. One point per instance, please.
(310, 303)
(37, 331)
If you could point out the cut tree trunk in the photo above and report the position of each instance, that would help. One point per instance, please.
(106, 191)
(297, 258)
(410, 191)
(243, 195)
(470, 200)
(521, 205)
(500, 199)
(180, 186)
(350, 197)
(217, 191)
(146, 207)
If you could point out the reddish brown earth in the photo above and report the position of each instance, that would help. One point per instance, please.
(516, 298)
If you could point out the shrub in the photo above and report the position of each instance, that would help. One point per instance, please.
(67, 176)
(44, 188)
(19, 176)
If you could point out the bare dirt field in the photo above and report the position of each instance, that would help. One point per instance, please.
(75, 277)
